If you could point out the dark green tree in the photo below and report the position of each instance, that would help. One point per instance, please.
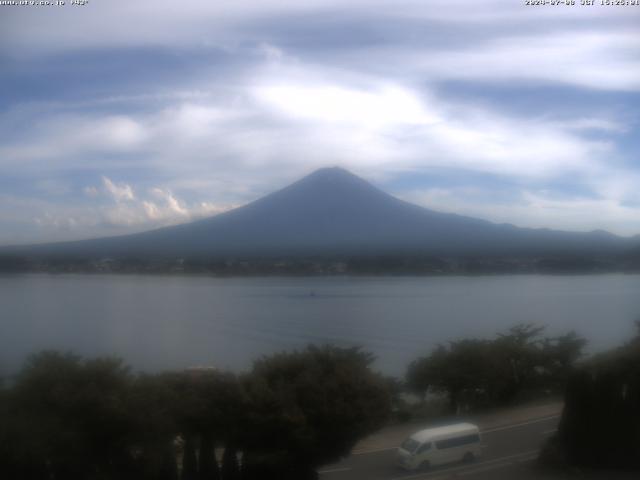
(420, 377)
(189, 459)
(519, 352)
(600, 424)
(460, 370)
(208, 468)
(212, 405)
(475, 373)
(559, 357)
(230, 467)
(309, 408)
(154, 404)
(71, 417)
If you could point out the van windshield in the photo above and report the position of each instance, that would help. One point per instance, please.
(410, 445)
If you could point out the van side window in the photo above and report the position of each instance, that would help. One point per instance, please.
(424, 447)
(457, 441)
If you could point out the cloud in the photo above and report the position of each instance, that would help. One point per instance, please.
(52, 136)
(418, 130)
(224, 101)
(606, 60)
(120, 193)
(594, 47)
(294, 117)
(111, 209)
(120, 22)
(335, 104)
(159, 207)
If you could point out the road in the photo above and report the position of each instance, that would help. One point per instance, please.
(506, 449)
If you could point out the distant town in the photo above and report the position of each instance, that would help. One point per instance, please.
(325, 265)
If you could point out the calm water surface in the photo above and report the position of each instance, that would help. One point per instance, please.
(168, 322)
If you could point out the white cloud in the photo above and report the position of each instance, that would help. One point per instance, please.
(227, 135)
(393, 125)
(334, 104)
(283, 125)
(172, 204)
(159, 207)
(224, 22)
(605, 60)
(120, 193)
(166, 210)
(43, 220)
(56, 136)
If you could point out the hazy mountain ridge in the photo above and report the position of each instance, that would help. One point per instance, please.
(333, 212)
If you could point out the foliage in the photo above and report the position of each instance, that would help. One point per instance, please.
(208, 468)
(309, 408)
(475, 372)
(600, 424)
(67, 418)
(230, 466)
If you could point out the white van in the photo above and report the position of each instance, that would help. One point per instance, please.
(435, 446)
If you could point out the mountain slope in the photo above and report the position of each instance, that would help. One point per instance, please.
(332, 211)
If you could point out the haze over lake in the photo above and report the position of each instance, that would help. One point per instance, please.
(172, 322)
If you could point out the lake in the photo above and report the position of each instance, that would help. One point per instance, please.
(172, 322)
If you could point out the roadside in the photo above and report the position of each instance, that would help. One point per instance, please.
(390, 437)
(512, 439)
(528, 470)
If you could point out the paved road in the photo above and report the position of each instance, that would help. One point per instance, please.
(506, 449)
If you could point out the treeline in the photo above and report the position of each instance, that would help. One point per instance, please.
(398, 264)
(67, 418)
(518, 364)
(600, 424)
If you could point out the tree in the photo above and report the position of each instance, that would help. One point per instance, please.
(600, 424)
(230, 467)
(211, 405)
(519, 351)
(420, 377)
(459, 370)
(207, 464)
(560, 355)
(71, 418)
(189, 459)
(153, 403)
(474, 372)
(309, 408)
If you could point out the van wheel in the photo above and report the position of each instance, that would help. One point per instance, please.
(425, 465)
(468, 457)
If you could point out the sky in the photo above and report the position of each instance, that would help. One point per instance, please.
(120, 116)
